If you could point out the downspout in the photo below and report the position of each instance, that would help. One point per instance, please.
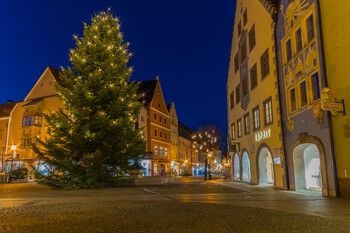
(275, 19)
(330, 126)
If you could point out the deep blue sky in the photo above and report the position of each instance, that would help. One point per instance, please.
(186, 42)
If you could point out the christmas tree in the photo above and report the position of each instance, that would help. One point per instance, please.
(94, 136)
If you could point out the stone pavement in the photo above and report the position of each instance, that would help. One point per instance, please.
(190, 205)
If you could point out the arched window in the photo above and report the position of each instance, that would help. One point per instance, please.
(246, 175)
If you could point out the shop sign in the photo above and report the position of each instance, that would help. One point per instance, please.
(329, 103)
(262, 135)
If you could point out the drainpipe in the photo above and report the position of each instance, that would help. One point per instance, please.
(275, 18)
(330, 127)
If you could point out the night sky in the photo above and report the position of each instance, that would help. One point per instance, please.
(186, 42)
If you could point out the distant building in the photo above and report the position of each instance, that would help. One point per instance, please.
(174, 141)
(255, 136)
(187, 156)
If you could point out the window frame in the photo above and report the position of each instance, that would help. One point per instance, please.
(239, 128)
(246, 124)
(300, 94)
(238, 93)
(298, 43)
(233, 131)
(252, 38)
(256, 124)
(262, 64)
(268, 100)
(232, 100)
(254, 68)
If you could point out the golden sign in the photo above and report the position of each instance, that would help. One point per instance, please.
(329, 104)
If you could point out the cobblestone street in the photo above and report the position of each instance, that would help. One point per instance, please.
(189, 205)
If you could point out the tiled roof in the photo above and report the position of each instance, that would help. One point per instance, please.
(147, 88)
(5, 109)
(184, 131)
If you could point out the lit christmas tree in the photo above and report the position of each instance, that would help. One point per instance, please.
(93, 137)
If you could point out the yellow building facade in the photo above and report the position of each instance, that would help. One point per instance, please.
(336, 30)
(255, 138)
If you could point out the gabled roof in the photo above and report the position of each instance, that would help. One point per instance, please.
(55, 72)
(146, 89)
(184, 131)
(5, 109)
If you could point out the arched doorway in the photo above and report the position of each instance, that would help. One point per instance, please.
(265, 166)
(307, 167)
(246, 175)
(236, 168)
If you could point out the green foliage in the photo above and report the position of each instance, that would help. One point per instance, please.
(18, 173)
(186, 172)
(92, 137)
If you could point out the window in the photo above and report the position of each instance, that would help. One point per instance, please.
(142, 119)
(252, 38)
(253, 77)
(160, 118)
(245, 17)
(161, 152)
(232, 104)
(246, 124)
(310, 28)
(31, 120)
(264, 60)
(239, 128)
(233, 131)
(293, 102)
(25, 143)
(298, 40)
(288, 50)
(243, 51)
(165, 135)
(236, 63)
(164, 120)
(155, 116)
(256, 118)
(158, 105)
(155, 132)
(24, 121)
(268, 111)
(303, 97)
(155, 150)
(245, 86)
(160, 134)
(238, 94)
(315, 87)
(239, 28)
(166, 152)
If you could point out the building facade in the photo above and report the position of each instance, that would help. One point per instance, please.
(255, 136)
(336, 27)
(174, 141)
(307, 129)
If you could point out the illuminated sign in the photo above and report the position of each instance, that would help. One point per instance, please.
(262, 135)
(329, 103)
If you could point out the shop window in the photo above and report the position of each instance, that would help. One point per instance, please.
(233, 131)
(315, 87)
(232, 104)
(265, 67)
(310, 28)
(288, 50)
(298, 40)
(252, 38)
(239, 128)
(303, 96)
(293, 101)
(236, 63)
(238, 94)
(253, 77)
(268, 111)
(245, 86)
(246, 124)
(243, 51)
(256, 118)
